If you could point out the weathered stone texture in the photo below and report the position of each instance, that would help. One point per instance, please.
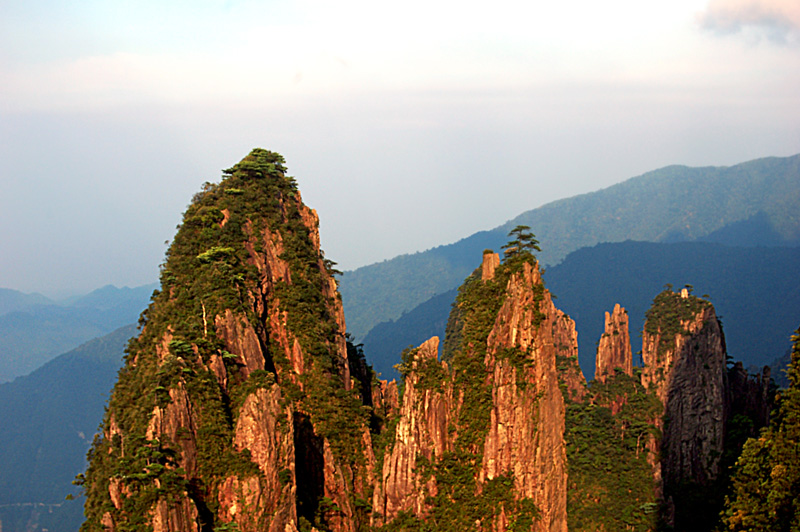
(614, 348)
(421, 432)
(688, 374)
(525, 435)
(526, 431)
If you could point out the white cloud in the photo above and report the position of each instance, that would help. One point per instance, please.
(778, 19)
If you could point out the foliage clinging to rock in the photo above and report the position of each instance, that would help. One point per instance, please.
(766, 480)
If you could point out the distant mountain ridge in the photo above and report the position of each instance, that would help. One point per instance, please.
(12, 300)
(756, 290)
(673, 204)
(242, 407)
(35, 329)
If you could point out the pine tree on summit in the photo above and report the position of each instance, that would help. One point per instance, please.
(523, 242)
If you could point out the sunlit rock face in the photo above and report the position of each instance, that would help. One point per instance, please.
(237, 405)
(614, 347)
(494, 401)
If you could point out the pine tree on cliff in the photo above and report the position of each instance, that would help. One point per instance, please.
(766, 483)
(523, 243)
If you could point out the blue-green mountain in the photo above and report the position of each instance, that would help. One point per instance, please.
(34, 329)
(756, 290)
(749, 204)
(48, 420)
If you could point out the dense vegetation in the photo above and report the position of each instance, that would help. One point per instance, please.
(210, 269)
(671, 311)
(750, 204)
(460, 502)
(765, 494)
(610, 483)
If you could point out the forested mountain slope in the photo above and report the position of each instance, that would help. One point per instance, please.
(753, 203)
(34, 329)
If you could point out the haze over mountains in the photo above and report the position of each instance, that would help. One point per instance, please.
(34, 329)
(243, 406)
(48, 420)
(756, 290)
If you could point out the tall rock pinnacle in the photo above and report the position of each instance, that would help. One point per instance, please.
(685, 366)
(480, 438)
(614, 349)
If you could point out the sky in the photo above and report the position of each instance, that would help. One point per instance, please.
(407, 125)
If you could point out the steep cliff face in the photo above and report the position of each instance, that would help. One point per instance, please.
(526, 427)
(236, 405)
(242, 407)
(614, 348)
(421, 433)
(683, 349)
(479, 440)
(685, 365)
(749, 396)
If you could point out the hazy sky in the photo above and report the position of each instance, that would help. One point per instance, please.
(407, 125)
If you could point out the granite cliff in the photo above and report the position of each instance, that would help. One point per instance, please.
(614, 348)
(707, 409)
(652, 447)
(236, 407)
(685, 366)
(479, 441)
(612, 441)
(242, 406)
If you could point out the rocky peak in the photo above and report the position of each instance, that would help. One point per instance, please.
(421, 434)
(614, 348)
(670, 324)
(480, 435)
(529, 448)
(491, 261)
(749, 395)
(237, 404)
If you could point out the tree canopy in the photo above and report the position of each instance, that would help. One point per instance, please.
(523, 241)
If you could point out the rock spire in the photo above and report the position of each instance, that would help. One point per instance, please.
(614, 348)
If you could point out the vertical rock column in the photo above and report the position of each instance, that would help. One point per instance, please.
(614, 349)
(421, 432)
(685, 366)
(526, 430)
